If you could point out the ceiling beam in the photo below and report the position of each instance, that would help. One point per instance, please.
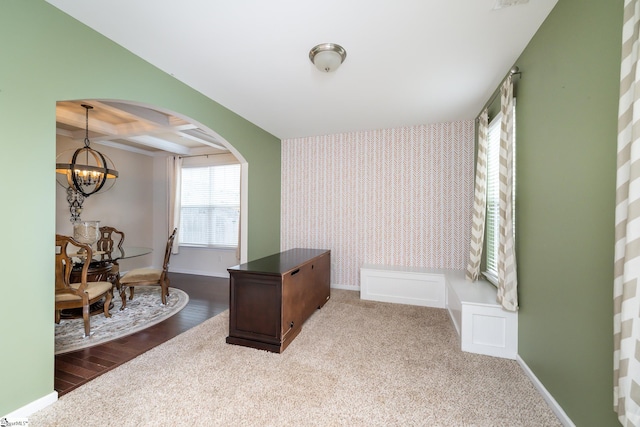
(160, 144)
(136, 113)
(201, 139)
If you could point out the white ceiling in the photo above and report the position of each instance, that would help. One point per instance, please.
(408, 62)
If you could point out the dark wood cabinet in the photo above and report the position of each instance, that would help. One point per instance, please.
(270, 298)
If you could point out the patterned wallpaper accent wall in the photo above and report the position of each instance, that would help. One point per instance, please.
(398, 196)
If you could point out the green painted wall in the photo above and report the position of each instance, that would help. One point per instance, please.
(566, 160)
(46, 56)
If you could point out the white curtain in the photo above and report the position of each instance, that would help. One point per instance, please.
(507, 275)
(174, 173)
(626, 315)
(240, 219)
(479, 201)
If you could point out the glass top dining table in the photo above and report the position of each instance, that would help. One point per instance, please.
(100, 269)
(116, 254)
(127, 252)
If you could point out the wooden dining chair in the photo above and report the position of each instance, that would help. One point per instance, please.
(82, 294)
(110, 239)
(107, 242)
(149, 276)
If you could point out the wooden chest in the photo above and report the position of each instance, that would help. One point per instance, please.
(270, 298)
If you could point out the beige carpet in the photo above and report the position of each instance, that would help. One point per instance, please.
(355, 363)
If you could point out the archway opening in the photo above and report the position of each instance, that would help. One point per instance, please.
(140, 138)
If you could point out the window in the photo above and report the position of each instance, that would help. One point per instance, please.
(210, 206)
(492, 224)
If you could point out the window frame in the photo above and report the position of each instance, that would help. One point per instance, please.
(211, 162)
(491, 246)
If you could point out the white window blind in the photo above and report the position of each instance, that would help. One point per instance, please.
(210, 206)
(493, 198)
(492, 224)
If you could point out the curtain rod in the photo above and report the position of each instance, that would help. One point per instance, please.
(202, 155)
(512, 72)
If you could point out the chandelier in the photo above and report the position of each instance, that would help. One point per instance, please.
(89, 171)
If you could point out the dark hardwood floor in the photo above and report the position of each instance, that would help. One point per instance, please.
(208, 296)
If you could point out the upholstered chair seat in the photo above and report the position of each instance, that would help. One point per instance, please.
(149, 276)
(93, 290)
(141, 275)
(78, 294)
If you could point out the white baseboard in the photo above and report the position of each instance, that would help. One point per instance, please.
(224, 275)
(344, 287)
(555, 407)
(33, 407)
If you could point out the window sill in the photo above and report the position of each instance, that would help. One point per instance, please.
(491, 277)
(215, 248)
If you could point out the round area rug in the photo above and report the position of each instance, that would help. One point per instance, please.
(144, 310)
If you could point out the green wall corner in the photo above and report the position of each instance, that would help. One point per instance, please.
(567, 105)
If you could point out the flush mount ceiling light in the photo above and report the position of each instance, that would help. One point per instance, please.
(89, 171)
(327, 57)
(500, 4)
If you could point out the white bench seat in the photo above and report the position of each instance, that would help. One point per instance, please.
(483, 326)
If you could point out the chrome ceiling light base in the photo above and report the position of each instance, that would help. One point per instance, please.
(501, 4)
(327, 57)
(91, 176)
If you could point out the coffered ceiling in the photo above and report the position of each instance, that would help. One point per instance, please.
(133, 128)
(408, 62)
